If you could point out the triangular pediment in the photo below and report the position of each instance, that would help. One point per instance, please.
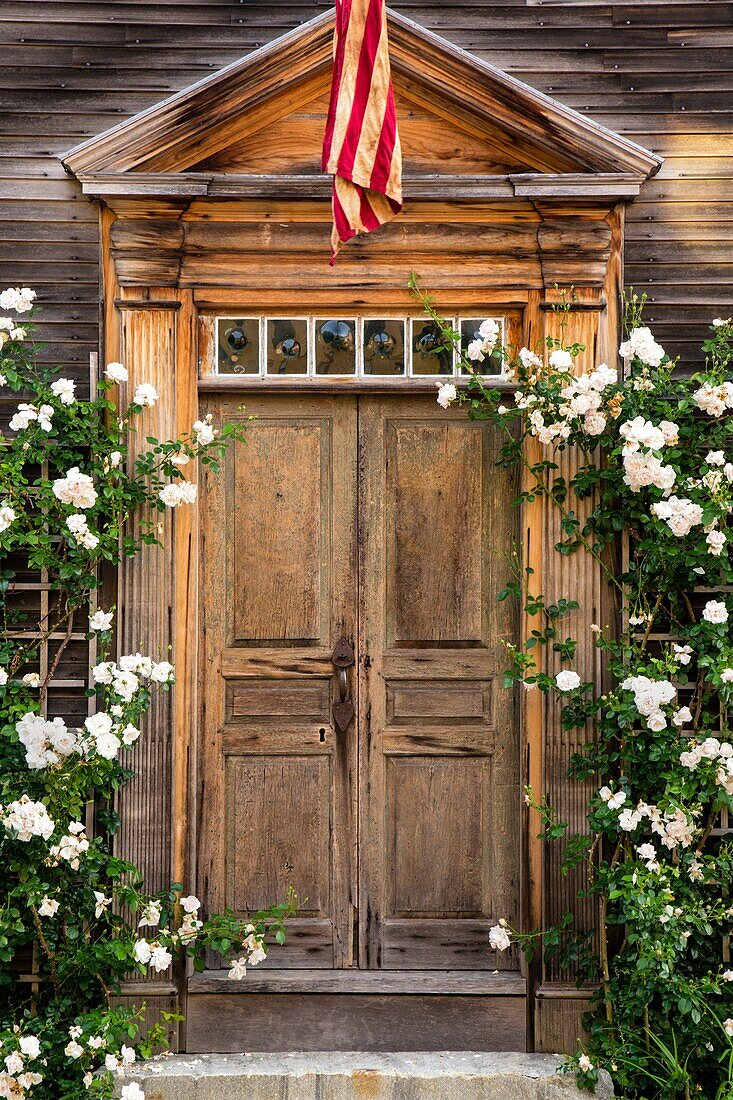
(264, 116)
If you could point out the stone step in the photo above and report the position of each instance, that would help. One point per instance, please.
(354, 1076)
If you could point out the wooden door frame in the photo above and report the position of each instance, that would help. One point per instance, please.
(515, 236)
(552, 1004)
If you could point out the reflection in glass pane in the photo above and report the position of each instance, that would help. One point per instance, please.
(429, 353)
(384, 347)
(238, 345)
(491, 364)
(287, 346)
(335, 346)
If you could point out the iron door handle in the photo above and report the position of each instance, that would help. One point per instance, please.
(343, 658)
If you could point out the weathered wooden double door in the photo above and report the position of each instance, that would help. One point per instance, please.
(382, 523)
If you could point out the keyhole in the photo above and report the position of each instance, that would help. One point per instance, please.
(322, 734)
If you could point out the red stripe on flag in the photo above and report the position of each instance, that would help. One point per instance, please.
(369, 46)
(361, 129)
(369, 219)
(343, 15)
(383, 159)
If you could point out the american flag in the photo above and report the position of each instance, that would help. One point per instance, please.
(361, 146)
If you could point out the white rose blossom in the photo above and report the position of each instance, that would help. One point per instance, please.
(8, 516)
(102, 903)
(49, 907)
(142, 951)
(204, 432)
(642, 345)
(28, 414)
(614, 800)
(101, 620)
(116, 372)
(150, 915)
(680, 514)
(178, 492)
(132, 1091)
(63, 388)
(567, 680)
(561, 360)
(715, 542)
(237, 969)
(145, 395)
(714, 399)
(20, 299)
(715, 612)
(499, 939)
(75, 488)
(130, 735)
(447, 393)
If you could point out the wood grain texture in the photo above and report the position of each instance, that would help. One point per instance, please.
(430, 887)
(262, 88)
(276, 787)
(654, 72)
(152, 47)
(434, 982)
(276, 807)
(221, 1023)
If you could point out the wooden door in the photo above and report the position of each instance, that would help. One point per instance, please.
(439, 748)
(277, 788)
(382, 519)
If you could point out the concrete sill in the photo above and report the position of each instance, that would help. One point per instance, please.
(355, 1076)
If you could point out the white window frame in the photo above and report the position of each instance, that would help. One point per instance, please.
(409, 320)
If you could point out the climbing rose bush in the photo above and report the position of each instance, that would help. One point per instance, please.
(654, 474)
(75, 918)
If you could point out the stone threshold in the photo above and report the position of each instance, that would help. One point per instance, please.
(463, 1075)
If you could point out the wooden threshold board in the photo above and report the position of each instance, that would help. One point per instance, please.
(233, 1022)
(375, 982)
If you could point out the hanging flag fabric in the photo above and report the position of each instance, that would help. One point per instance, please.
(361, 146)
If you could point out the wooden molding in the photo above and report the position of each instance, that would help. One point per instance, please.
(147, 303)
(241, 383)
(494, 246)
(576, 307)
(200, 120)
(109, 185)
(462, 983)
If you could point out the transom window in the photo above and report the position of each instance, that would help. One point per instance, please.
(344, 345)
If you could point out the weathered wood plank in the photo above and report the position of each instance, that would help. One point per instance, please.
(221, 1023)
(431, 982)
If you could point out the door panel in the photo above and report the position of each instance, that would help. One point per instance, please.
(439, 760)
(382, 519)
(276, 786)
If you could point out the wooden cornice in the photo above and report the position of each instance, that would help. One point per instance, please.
(202, 185)
(199, 121)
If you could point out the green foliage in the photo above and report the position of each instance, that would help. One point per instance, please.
(75, 919)
(654, 472)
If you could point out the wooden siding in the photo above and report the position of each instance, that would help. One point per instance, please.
(661, 73)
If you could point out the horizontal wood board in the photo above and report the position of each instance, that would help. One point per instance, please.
(659, 73)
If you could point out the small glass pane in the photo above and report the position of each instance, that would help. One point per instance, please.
(238, 345)
(491, 364)
(430, 355)
(384, 347)
(335, 346)
(287, 346)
